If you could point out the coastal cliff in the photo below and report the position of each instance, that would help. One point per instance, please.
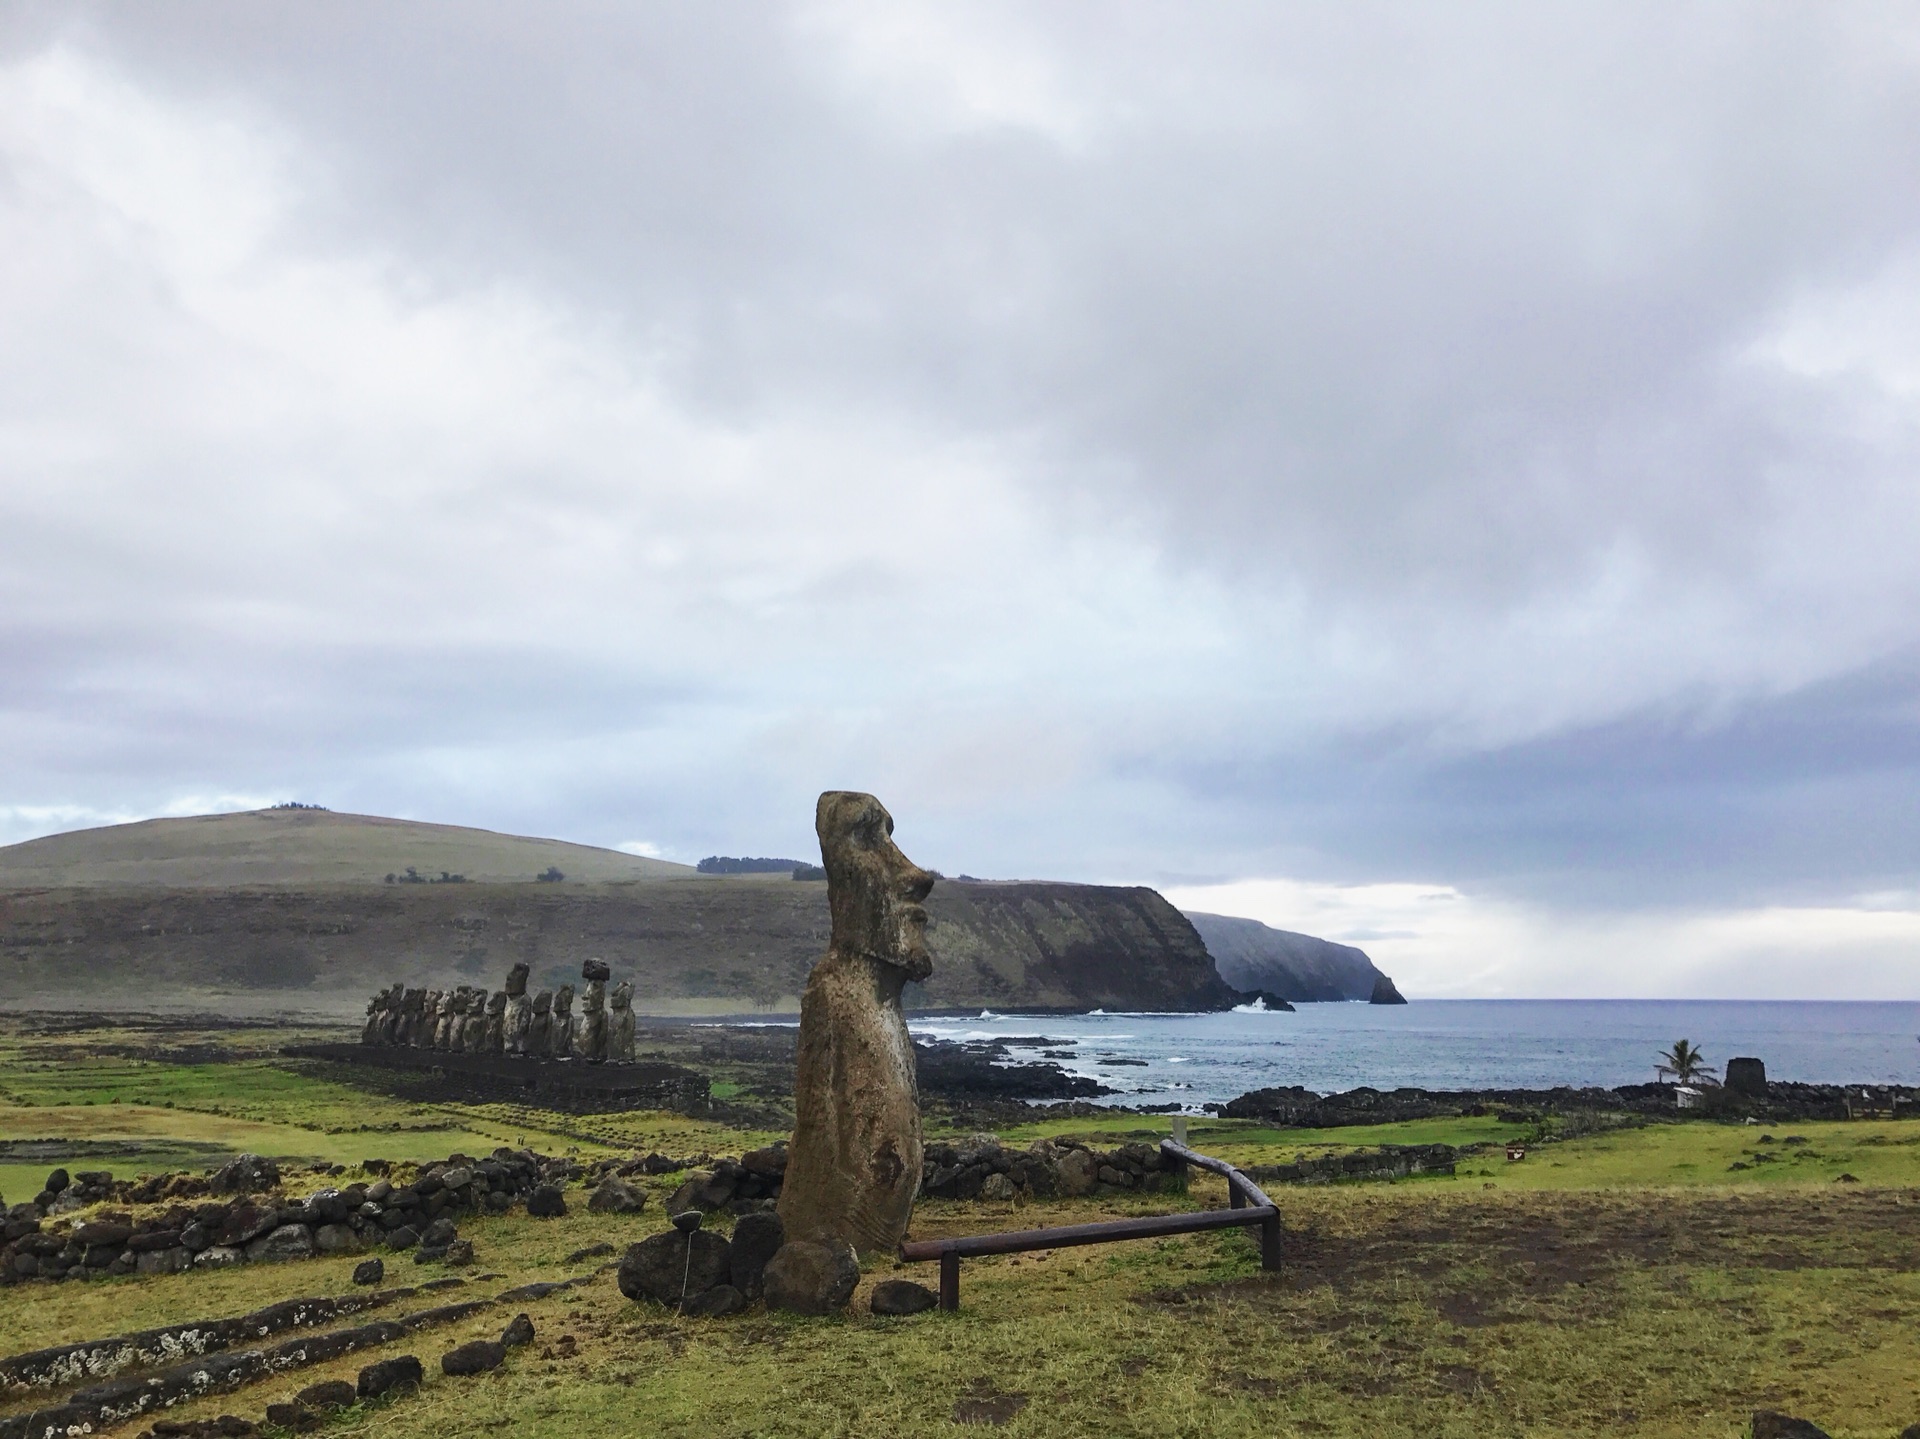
(1297, 967)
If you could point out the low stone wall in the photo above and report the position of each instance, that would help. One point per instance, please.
(1389, 1161)
(259, 1227)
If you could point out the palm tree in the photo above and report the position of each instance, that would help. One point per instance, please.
(1684, 1063)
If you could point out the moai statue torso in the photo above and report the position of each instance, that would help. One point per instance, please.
(590, 1038)
(854, 1164)
(494, 1040)
(411, 1010)
(457, 1026)
(620, 1024)
(519, 1012)
(540, 1026)
(395, 1016)
(560, 1046)
(478, 1018)
(428, 1029)
(376, 1015)
(443, 1027)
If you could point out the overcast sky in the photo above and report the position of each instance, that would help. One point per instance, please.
(1447, 476)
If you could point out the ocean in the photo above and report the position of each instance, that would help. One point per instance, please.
(1195, 1059)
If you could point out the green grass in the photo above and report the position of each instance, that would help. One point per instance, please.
(1626, 1283)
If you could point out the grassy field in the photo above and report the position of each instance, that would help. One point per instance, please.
(1662, 1280)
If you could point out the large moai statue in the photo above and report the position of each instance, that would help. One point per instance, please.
(519, 1011)
(457, 1025)
(412, 1012)
(560, 1046)
(428, 1029)
(395, 1017)
(494, 1037)
(590, 1038)
(376, 1016)
(443, 1025)
(620, 1024)
(540, 1026)
(477, 1020)
(854, 1164)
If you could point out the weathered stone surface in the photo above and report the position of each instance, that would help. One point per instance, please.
(616, 1196)
(370, 1271)
(674, 1266)
(715, 1303)
(1079, 1172)
(854, 1164)
(403, 1238)
(103, 1233)
(289, 1241)
(902, 1296)
(219, 1256)
(1746, 1075)
(476, 1356)
(244, 1223)
(328, 1394)
(1770, 1424)
(756, 1239)
(162, 1261)
(459, 1252)
(519, 1331)
(403, 1371)
(440, 1233)
(811, 1276)
(245, 1174)
(337, 1239)
(547, 1202)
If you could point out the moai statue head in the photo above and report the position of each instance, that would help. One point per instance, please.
(563, 1001)
(876, 892)
(497, 1006)
(543, 1001)
(517, 980)
(623, 996)
(594, 1001)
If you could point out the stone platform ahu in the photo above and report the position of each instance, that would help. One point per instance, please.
(466, 1020)
(468, 1045)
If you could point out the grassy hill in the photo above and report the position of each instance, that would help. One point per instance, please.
(302, 847)
(289, 910)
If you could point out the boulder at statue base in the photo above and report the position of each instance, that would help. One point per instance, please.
(811, 1276)
(671, 1267)
(898, 1297)
(715, 1303)
(756, 1239)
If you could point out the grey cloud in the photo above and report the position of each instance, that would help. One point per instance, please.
(1420, 360)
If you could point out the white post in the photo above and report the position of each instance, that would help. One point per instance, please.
(1180, 1130)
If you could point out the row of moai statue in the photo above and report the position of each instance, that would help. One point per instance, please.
(466, 1020)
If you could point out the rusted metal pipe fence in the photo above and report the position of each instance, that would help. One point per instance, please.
(1247, 1206)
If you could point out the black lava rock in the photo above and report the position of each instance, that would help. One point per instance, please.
(403, 1371)
(476, 1356)
(901, 1297)
(519, 1332)
(546, 1202)
(331, 1394)
(1769, 1424)
(671, 1267)
(369, 1271)
(756, 1239)
(809, 1277)
(715, 1303)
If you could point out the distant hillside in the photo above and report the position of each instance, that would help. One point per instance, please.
(289, 909)
(303, 847)
(1297, 967)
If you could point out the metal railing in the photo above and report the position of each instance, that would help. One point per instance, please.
(1248, 1205)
